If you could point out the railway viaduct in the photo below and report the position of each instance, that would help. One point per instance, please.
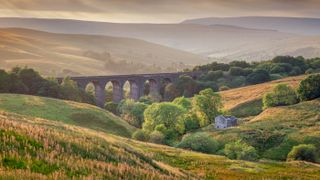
(136, 82)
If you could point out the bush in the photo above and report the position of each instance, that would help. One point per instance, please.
(240, 150)
(303, 152)
(224, 88)
(140, 135)
(309, 88)
(157, 137)
(281, 95)
(183, 102)
(191, 122)
(201, 142)
(111, 107)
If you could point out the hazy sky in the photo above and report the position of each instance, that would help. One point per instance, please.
(156, 11)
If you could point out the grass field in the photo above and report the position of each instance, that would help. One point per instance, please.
(66, 111)
(247, 101)
(35, 148)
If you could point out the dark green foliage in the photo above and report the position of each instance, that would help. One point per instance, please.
(112, 107)
(212, 76)
(201, 142)
(28, 81)
(281, 95)
(14, 163)
(140, 135)
(280, 153)
(241, 64)
(303, 152)
(240, 150)
(191, 122)
(309, 88)
(258, 76)
(132, 112)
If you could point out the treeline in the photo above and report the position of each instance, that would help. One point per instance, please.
(28, 81)
(223, 76)
(241, 73)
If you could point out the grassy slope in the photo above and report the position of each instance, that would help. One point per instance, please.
(276, 130)
(40, 148)
(65, 111)
(50, 53)
(247, 101)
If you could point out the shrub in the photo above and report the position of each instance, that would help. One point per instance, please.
(240, 150)
(281, 95)
(224, 88)
(140, 135)
(157, 137)
(304, 152)
(111, 107)
(309, 88)
(201, 142)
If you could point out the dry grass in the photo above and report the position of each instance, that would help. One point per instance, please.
(234, 97)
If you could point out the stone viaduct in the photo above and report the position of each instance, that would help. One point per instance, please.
(136, 82)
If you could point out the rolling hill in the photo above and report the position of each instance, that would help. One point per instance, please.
(64, 54)
(68, 112)
(41, 148)
(218, 41)
(296, 25)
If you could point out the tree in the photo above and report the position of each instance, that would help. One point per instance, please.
(30, 78)
(258, 76)
(186, 85)
(201, 142)
(132, 112)
(206, 106)
(309, 88)
(5, 82)
(281, 95)
(240, 150)
(171, 91)
(183, 102)
(303, 152)
(157, 137)
(165, 117)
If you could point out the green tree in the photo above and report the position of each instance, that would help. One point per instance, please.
(206, 105)
(309, 88)
(132, 112)
(258, 76)
(140, 135)
(167, 115)
(281, 95)
(183, 102)
(240, 150)
(5, 82)
(303, 152)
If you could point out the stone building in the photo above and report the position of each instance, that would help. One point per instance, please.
(222, 122)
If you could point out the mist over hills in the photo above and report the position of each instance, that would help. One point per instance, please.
(296, 25)
(65, 54)
(222, 39)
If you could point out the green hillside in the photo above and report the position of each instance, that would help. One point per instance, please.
(276, 130)
(35, 148)
(66, 111)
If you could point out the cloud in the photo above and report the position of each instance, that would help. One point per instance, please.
(161, 10)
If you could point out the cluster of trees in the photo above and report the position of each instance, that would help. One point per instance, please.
(283, 95)
(241, 73)
(28, 81)
(167, 122)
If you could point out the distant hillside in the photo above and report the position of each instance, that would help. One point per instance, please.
(64, 54)
(36, 148)
(305, 26)
(68, 112)
(218, 41)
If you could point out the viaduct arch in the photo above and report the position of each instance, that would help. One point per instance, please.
(136, 82)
